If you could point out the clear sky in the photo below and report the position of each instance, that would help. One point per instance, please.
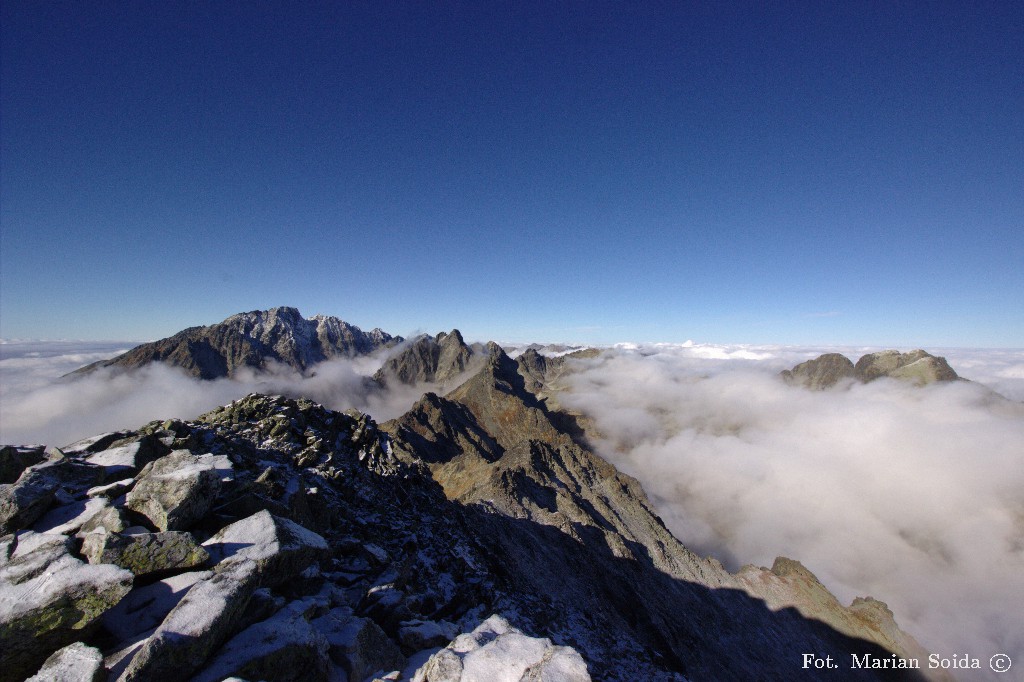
(841, 172)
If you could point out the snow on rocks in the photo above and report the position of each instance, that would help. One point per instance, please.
(280, 548)
(497, 652)
(28, 498)
(358, 644)
(207, 615)
(48, 598)
(146, 607)
(176, 491)
(416, 635)
(283, 648)
(74, 663)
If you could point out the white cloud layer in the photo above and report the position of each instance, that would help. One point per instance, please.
(36, 406)
(912, 495)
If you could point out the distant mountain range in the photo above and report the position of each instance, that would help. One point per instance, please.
(251, 340)
(275, 539)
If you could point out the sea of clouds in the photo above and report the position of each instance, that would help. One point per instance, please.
(912, 495)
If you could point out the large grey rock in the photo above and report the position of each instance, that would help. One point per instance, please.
(280, 549)
(358, 644)
(145, 553)
(126, 460)
(145, 607)
(283, 648)
(28, 498)
(209, 613)
(175, 491)
(824, 371)
(15, 459)
(497, 651)
(71, 518)
(74, 663)
(49, 599)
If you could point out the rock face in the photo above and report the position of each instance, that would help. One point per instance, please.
(825, 371)
(427, 359)
(916, 366)
(253, 340)
(336, 549)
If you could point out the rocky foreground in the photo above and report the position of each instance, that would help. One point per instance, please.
(476, 537)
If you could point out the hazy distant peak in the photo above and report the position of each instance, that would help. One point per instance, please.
(917, 366)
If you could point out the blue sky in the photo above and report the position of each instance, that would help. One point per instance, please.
(834, 173)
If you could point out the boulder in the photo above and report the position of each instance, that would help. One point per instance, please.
(15, 459)
(209, 613)
(145, 553)
(74, 663)
(127, 459)
(283, 648)
(497, 651)
(145, 607)
(49, 600)
(281, 549)
(28, 498)
(175, 491)
(358, 644)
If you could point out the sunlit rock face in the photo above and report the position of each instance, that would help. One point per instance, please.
(825, 371)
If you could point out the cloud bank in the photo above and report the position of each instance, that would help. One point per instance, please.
(912, 495)
(36, 406)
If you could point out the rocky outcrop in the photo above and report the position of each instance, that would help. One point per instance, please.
(917, 366)
(496, 650)
(252, 340)
(824, 371)
(435, 359)
(828, 370)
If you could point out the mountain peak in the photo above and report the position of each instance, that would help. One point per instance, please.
(254, 339)
(917, 366)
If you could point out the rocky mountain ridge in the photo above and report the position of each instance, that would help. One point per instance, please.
(275, 539)
(252, 340)
(917, 366)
